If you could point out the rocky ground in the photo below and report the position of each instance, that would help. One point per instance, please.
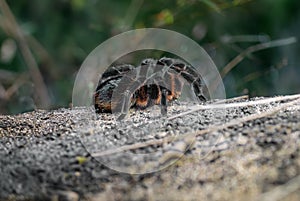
(239, 150)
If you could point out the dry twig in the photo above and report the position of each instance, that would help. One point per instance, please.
(282, 191)
(231, 105)
(255, 48)
(9, 22)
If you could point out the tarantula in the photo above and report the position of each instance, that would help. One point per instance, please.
(153, 82)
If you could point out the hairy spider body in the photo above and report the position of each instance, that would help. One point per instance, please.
(153, 82)
(106, 85)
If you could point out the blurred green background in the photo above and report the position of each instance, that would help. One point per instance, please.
(57, 35)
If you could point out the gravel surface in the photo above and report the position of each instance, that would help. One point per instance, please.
(59, 155)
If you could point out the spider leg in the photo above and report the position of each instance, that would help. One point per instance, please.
(192, 77)
(197, 88)
(163, 102)
(125, 105)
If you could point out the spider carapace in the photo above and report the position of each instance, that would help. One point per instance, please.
(153, 82)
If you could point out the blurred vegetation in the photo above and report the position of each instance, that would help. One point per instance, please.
(59, 34)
